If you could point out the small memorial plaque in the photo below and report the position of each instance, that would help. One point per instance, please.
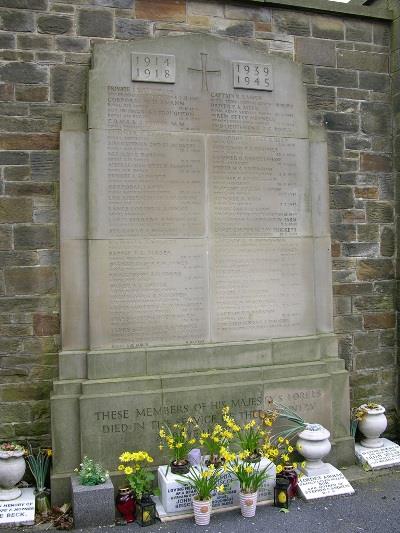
(156, 68)
(20, 511)
(256, 76)
(331, 484)
(376, 458)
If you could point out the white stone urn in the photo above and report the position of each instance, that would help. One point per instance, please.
(313, 444)
(372, 424)
(12, 470)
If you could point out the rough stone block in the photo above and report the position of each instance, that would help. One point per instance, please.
(131, 29)
(23, 73)
(327, 27)
(25, 4)
(21, 281)
(17, 21)
(347, 122)
(347, 324)
(336, 77)
(381, 34)
(55, 24)
(7, 40)
(95, 22)
(238, 12)
(341, 197)
(171, 10)
(321, 97)
(380, 321)
(387, 242)
(360, 249)
(368, 193)
(355, 142)
(376, 118)
(44, 166)
(357, 30)
(15, 210)
(374, 82)
(45, 325)
(343, 232)
(120, 4)
(92, 506)
(362, 61)
(291, 23)
(315, 51)
(5, 237)
(72, 44)
(373, 303)
(17, 173)
(375, 163)
(374, 269)
(34, 236)
(14, 158)
(231, 28)
(68, 84)
(34, 42)
(29, 93)
(368, 232)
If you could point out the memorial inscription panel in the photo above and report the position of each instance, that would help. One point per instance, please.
(216, 157)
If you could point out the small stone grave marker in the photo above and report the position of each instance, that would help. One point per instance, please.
(18, 512)
(376, 458)
(332, 483)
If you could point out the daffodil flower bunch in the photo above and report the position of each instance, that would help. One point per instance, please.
(178, 440)
(290, 423)
(204, 480)
(250, 475)
(133, 465)
(213, 439)
(246, 437)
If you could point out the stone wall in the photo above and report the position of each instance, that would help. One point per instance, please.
(44, 60)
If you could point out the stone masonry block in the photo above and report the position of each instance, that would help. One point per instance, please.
(362, 61)
(169, 10)
(68, 84)
(387, 242)
(380, 321)
(31, 93)
(327, 27)
(95, 22)
(17, 21)
(14, 158)
(341, 197)
(15, 210)
(34, 42)
(357, 30)
(40, 5)
(5, 237)
(347, 122)
(132, 29)
(374, 269)
(376, 118)
(22, 281)
(7, 40)
(119, 4)
(375, 163)
(92, 505)
(374, 82)
(45, 166)
(243, 12)
(285, 21)
(54, 24)
(336, 77)
(360, 249)
(315, 51)
(45, 325)
(23, 73)
(35, 236)
(72, 44)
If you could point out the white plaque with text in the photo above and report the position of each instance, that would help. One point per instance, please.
(331, 484)
(256, 76)
(156, 68)
(20, 511)
(376, 458)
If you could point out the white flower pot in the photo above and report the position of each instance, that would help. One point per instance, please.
(202, 511)
(373, 423)
(313, 443)
(12, 470)
(248, 503)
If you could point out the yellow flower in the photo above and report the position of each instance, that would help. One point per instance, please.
(49, 452)
(125, 457)
(279, 469)
(225, 410)
(121, 468)
(303, 464)
(220, 488)
(204, 435)
(249, 469)
(162, 433)
(128, 470)
(192, 441)
(294, 465)
(149, 459)
(290, 449)
(281, 439)
(179, 445)
(160, 447)
(244, 454)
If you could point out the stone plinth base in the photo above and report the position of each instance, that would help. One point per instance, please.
(177, 498)
(376, 458)
(92, 505)
(331, 483)
(18, 512)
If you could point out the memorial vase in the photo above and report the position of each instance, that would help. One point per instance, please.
(180, 468)
(126, 504)
(12, 470)
(313, 443)
(202, 511)
(248, 503)
(373, 423)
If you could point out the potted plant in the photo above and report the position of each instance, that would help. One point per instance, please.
(212, 440)
(371, 421)
(12, 469)
(178, 440)
(92, 495)
(250, 476)
(205, 480)
(39, 463)
(140, 481)
(247, 437)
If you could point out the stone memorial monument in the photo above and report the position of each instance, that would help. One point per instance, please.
(195, 250)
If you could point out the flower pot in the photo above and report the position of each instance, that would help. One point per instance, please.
(373, 423)
(248, 503)
(126, 504)
(180, 469)
(12, 470)
(313, 443)
(202, 511)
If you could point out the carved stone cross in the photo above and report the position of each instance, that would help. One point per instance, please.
(204, 72)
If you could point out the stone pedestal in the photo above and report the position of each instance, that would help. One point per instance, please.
(92, 505)
(386, 456)
(18, 512)
(176, 498)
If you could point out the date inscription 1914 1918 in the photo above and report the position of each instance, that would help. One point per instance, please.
(252, 76)
(156, 68)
